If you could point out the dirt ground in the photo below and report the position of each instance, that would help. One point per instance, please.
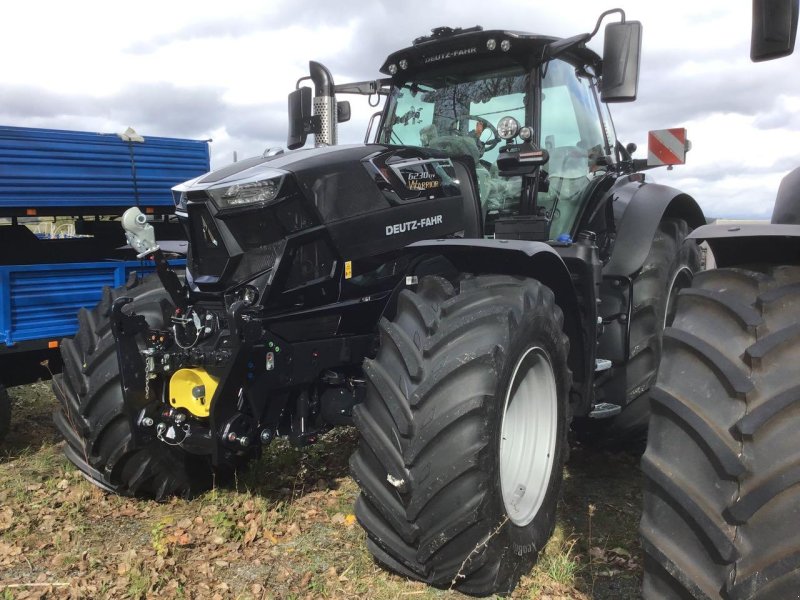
(285, 531)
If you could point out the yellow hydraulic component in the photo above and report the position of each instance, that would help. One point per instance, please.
(193, 390)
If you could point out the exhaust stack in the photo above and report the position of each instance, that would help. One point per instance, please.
(324, 105)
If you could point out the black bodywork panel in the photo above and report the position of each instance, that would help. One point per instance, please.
(787, 202)
(741, 244)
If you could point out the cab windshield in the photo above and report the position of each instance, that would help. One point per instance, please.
(460, 116)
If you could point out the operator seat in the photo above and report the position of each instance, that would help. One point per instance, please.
(464, 167)
(464, 155)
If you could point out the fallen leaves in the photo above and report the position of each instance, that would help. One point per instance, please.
(342, 519)
(6, 518)
(616, 560)
(288, 531)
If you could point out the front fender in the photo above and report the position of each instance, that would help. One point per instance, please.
(536, 260)
(504, 257)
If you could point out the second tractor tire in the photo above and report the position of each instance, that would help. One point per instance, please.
(722, 466)
(92, 416)
(443, 496)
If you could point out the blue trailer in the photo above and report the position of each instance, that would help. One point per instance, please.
(73, 186)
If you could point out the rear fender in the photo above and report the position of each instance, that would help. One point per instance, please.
(638, 209)
(520, 258)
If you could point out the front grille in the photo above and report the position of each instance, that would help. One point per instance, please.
(258, 260)
(254, 239)
(208, 255)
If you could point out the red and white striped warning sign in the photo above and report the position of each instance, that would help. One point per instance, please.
(666, 147)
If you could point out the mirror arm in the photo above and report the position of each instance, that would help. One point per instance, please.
(603, 16)
(364, 88)
(554, 49)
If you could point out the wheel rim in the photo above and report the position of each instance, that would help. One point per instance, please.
(682, 278)
(528, 436)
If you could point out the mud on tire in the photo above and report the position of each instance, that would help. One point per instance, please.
(722, 466)
(92, 416)
(428, 462)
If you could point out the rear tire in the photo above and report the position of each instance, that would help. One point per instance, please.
(442, 497)
(722, 466)
(5, 412)
(92, 416)
(669, 267)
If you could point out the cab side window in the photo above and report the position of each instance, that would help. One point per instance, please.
(571, 132)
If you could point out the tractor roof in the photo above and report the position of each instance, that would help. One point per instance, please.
(460, 51)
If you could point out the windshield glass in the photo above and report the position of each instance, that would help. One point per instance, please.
(460, 117)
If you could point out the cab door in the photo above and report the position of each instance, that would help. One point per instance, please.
(572, 131)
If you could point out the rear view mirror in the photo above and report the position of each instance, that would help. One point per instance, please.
(300, 120)
(621, 54)
(774, 29)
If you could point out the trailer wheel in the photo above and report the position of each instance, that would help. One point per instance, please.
(722, 465)
(669, 267)
(463, 432)
(5, 412)
(92, 416)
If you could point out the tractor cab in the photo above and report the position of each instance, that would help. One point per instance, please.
(480, 115)
(524, 111)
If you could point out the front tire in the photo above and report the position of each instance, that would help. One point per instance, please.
(722, 466)
(445, 499)
(92, 416)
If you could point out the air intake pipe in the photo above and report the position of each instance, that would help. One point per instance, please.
(324, 105)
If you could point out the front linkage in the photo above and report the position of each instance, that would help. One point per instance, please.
(215, 381)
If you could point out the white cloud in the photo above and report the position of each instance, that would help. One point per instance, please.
(223, 70)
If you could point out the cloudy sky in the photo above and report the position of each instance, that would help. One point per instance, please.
(222, 70)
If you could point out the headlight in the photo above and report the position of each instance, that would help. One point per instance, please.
(248, 294)
(507, 127)
(245, 194)
(180, 200)
(179, 193)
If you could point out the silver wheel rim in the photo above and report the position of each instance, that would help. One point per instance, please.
(528, 436)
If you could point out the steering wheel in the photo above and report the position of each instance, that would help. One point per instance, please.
(485, 124)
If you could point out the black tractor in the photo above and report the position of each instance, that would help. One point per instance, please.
(722, 466)
(487, 269)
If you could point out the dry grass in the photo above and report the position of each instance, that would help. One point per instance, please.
(285, 531)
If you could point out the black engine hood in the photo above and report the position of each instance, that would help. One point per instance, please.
(295, 161)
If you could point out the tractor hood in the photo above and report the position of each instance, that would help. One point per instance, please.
(264, 167)
(349, 201)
